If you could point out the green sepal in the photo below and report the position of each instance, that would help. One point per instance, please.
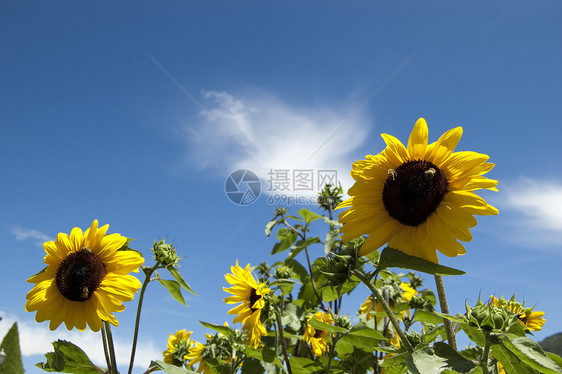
(225, 330)
(393, 258)
(68, 358)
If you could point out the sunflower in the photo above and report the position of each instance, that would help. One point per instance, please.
(247, 291)
(194, 356)
(178, 346)
(418, 198)
(371, 307)
(529, 319)
(86, 279)
(318, 339)
(409, 292)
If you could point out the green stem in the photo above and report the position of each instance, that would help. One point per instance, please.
(445, 310)
(147, 274)
(485, 355)
(105, 351)
(113, 367)
(283, 343)
(363, 277)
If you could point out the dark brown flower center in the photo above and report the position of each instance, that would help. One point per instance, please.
(79, 275)
(253, 298)
(319, 333)
(413, 191)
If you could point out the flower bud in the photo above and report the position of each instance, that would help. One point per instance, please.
(283, 272)
(343, 321)
(165, 254)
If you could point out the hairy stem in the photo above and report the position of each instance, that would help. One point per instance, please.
(137, 319)
(485, 355)
(113, 368)
(105, 349)
(283, 343)
(363, 277)
(451, 338)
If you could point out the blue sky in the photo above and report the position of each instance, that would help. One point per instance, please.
(135, 113)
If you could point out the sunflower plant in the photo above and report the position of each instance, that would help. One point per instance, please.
(87, 279)
(409, 204)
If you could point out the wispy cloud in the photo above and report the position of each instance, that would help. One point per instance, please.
(275, 135)
(22, 233)
(538, 205)
(35, 340)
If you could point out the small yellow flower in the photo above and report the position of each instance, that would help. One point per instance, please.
(85, 281)
(195, 357)
(178, 346)
(418, 198)
(409, 292)
(318, 339)
(249, 293)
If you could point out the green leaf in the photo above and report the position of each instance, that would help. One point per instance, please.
(474, 334)
(422, 362)
(360, 337)
(173, 288)
(510, 361)
(391, 258)
(225, 330)
(318, 325)
(171, 369)
(301, 365)
(426, 316)
(529, 352)
(331, 237)
(300, 245)
(270, 226)
(11, 346)
(331, 293)
(263, 354)
(299, 270)
(252, 366)
(68, 358)
(554, 357)
(451, 317)
(453, 359)
(286, 239)
(308, 215)
(177, 276)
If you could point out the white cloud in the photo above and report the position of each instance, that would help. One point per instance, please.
(35, 340)
(22, 234)
(260, 132)
(539, 201)
(538, 205)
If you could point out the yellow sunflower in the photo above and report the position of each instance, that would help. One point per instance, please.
(194, 357)
(249, 293)
(318, 339)
(529, 319)
(85, 281)
(418, 198)
(409, 292)
(178, 346)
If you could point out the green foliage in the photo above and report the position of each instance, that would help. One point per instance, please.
(11, 348)
(68, 358)
(393, 258)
